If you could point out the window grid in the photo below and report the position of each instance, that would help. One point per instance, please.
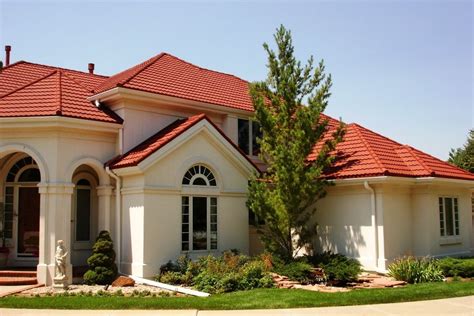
(197, 174)
(448, 216)
(247, 132)
(213, 224)
(185, 223)
(8, 223)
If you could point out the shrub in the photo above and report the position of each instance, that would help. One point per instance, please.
(228, 273)
(296, 270)
(337, 267)
(460, 267)
(102, 268)
(415, 270)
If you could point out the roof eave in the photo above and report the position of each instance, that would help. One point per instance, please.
(120, 93)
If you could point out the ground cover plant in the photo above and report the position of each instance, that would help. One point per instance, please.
(253, 299)
(457, 267)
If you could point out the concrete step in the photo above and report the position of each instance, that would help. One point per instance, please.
(16, 273)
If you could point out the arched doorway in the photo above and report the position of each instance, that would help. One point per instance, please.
(22, 209)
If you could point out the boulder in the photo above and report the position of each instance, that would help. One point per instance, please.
(123, 281)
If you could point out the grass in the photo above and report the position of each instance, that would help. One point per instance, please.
(261, 299)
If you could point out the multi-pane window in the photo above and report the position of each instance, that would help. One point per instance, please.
(83, 210)
(448, 216)
(198, 223)
(248, 132)
(198, 213)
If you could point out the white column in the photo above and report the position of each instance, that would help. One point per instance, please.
(55, 224)
(104, 193)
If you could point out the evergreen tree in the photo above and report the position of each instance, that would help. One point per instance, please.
(285, 194)
(102, 267)
(464, 157)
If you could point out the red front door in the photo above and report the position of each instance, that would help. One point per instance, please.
(28, 222)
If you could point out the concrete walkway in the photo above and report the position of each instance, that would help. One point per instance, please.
(451, 306)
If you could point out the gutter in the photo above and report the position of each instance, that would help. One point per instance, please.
(374, 222)
(118, 207)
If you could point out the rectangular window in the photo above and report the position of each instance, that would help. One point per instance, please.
(248, 132)
(448, 216)
(83, 215)
(198, 223)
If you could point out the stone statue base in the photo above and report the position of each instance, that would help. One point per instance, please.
(60, 283)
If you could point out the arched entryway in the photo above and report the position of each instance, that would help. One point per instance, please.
(20, 221)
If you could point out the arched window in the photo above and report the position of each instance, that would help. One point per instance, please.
(29, 171)
(199, 175)
(83, 211)
(199, 213)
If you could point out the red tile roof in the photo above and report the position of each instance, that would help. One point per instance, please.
(28, 89)
(139, 153)
(168, 75)
(364, 153)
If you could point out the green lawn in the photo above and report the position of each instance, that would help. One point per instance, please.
(261, 298)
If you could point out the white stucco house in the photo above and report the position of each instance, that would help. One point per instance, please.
(160, 155)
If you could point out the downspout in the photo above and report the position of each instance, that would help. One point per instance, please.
(374, 222)
(118, 200)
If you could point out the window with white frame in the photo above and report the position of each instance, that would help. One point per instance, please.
(448, 216)
(199, 213)
(248, 132)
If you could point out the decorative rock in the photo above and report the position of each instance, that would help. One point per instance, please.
(123, 281)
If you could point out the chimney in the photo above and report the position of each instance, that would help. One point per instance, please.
(8, 48)
(91, 68)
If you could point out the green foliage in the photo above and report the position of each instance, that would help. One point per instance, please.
(461, 267)
(464, 157)
(285, 194)
(296, 270)
(337, 267)
(102, 267)
(228, 273)
(415, 270)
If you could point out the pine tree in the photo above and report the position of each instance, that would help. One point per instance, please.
(285, 194)
(464, 157)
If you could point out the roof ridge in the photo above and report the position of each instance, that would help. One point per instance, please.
(13, 64)
(78, 83)
(28, 84)
(59, 68)
(205, 69)
(369, 149)
(147, 63)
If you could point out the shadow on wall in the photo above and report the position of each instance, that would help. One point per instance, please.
(346, 240)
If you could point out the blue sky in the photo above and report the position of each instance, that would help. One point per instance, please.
(401, 68)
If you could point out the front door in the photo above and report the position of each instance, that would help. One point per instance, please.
(28, 222)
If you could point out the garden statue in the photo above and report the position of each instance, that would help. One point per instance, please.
(60, 279)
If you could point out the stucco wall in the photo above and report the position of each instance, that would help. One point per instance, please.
(162, 191)
(344, 223)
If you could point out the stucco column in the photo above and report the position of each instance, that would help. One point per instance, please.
(104, 193)
(55, 224)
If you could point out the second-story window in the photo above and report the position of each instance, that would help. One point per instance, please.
(248, 132)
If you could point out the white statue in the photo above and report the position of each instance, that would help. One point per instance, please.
(60, 259)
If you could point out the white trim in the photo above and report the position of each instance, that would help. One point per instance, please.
(121, 93)
(23, 148)
(95, 164)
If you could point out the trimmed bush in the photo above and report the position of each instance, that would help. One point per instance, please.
(457, 267)
(102, 267)
(337, 267)
(415, 270)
